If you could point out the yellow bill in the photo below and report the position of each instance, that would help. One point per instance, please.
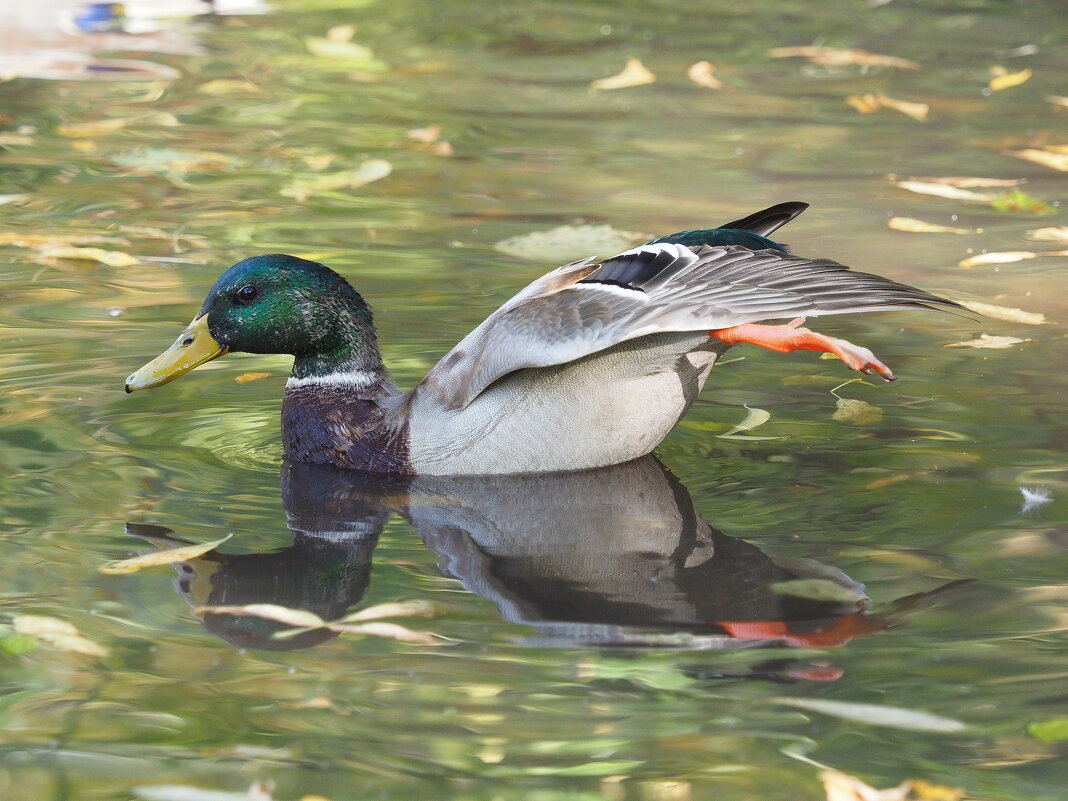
(194, 346)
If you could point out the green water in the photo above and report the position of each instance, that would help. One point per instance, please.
(555, 680)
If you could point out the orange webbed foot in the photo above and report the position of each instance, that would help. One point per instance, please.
(791, 336)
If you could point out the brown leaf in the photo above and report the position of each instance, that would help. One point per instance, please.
(299, 618)
(836, 57)
(869, 103)
(1007, 313)
(244, 378)
(843, 787)
(986, 341)
(1006, 257)
(58, 633)
(915, 226)
(634, 74)
(1007, 80)
(701, 74)
(396, 609)
(1051, 157)
(112, 258)
(183, 554)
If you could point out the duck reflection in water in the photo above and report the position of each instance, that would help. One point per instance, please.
(615, 557)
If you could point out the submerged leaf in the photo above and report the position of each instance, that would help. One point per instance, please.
(17, 644)
(816, 589)
(915, 226)
(836, 57)
(58, 633)
(1007, 80)
(1010, 314)
(701, 74)
(989, 342)
(853, 410)
(634, 74)
(567, 242)
(112, 258)
(183, 554)
(300, 618)
(895, 717)
(368, 172)
(754, 418)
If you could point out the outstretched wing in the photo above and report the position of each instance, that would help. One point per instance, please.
(661, 287)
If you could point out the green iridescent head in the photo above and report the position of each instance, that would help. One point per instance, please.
(274, 304)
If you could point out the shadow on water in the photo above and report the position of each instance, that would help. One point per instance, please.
(617, 557)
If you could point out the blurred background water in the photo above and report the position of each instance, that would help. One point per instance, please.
(176, 142)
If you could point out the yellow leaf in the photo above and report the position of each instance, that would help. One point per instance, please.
(299, 618)
(227, 86)
(58, 633)
(843, 787)
(183, 554)
(633, 74)
(989, 342)
(1052, 157)
(926, 791)
(1008, 80)
(701, 74)
(1057, 100)
(921, 227)
(244, 378)
(941, 190)
(853, 410)
(1012, 315)
(866, 103)
(836, 57)
(1006, 257)
(112, 258)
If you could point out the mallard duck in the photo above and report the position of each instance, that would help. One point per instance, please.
(590, 365)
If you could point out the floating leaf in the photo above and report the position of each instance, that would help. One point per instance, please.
(338, 49)
(57, 633)
(1017, 200)
(1051, 234)
(183, 554)
(633, 74)
(1054, 158)
(391, 631)
(1057, 100)
(894, 717)
(836, 57)
(853, 410)
(18, 197)
(182, 792)
(94, 128)
(869, 103)
(754, 418)
(926, 791)
(368, 172)
(1010, 314)
(228, 86)
(341, 33)
(1007, 80)
(816, 589)
(1004, 257)
(12, 138)
(989, 342)
(701, 74)
(941, 190)
(426, 135)
(395, 609)
(1051, 730)
(22, 240)
(172, 160)
(567, 242)
(244, 378)
(915, 226)
(300, 618)
(17, 644)
(842, 787)
(112, 258)
(964, 181)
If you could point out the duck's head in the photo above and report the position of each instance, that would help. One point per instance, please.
(274, 304)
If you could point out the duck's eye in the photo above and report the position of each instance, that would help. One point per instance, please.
(246, 294)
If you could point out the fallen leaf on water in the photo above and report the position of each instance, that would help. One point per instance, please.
(341, 33)
(927, 791)
(889, 481)
(869, 103)
(338, 48)
(753, 419)
(634, 74)
(816, 589)
(227, 86)
(843, 787)
(13, 138)
(94, 128)
(1017, 200)
(244, 378)
(964, 181)
(173, 160)
(112, 258)
(23, 240)
(183, 554)
(941, 190)
(1047, 157)
(1004, 257)
(989, 342)
(391, 631)
(1010, 314)
(368, 172)
(701, 74)
(1006, 80)
(300, 618)
(1057, 100)
(57, 633)
(853, 410)
(567, 242)
(1051, 730)
(430, 133)
(894, 717)
(17, 644)
(915, 226)
(836, 57)
(183, 792)
(18, 197)
(1051, 234)
(395, 609)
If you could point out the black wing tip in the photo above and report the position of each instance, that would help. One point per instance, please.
(767, 221)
